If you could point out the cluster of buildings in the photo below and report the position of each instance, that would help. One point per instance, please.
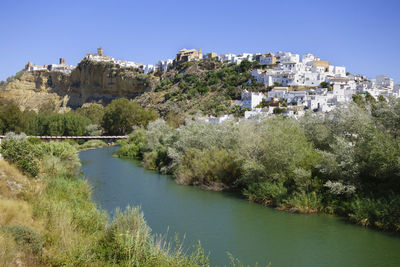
(287, 69)
(101, 57)
(161, 65)
(293, 102)
(295, 82)
(62, 67)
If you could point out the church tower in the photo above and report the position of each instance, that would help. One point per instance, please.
(100, 51)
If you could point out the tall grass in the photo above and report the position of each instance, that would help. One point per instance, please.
(51, 221)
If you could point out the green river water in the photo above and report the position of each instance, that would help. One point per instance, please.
(225, 223)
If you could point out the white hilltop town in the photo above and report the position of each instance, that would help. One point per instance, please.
(295, 83)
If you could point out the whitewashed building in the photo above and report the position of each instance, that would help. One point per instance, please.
(278, 92)
(148, 68)
(383, 81)
(251, 99)
(229, 58)
(163, 65)
(267, 59)
(284, 57)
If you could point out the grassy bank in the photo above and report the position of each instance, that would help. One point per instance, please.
(346, 162)
(47, 218)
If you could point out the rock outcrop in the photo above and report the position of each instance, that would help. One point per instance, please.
(35, 88)
(90, 81)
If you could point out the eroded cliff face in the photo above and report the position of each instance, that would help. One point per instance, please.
(102, 82)
(33, 89)
(90, 81)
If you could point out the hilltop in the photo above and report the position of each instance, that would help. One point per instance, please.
(193, 83)
(206, 85)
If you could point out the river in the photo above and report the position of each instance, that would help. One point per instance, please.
(225, 223)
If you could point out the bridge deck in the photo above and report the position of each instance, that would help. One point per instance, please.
(79, 137)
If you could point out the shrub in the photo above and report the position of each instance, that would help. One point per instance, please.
(22, 154)
(132, 148)
(266, 193)
(207, 167)
(382, 213)
(25, 238)
(127, 240)
(304, 202)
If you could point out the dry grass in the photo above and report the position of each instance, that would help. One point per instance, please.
(15, 212)
(15, 209)
(15, 185)
(15, 189)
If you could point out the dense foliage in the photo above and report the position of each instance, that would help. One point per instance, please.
(117, 118)
(121, 115)
(12, 119)
(58, 125)
(345, 162)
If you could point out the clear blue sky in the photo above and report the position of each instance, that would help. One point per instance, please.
(364, 35)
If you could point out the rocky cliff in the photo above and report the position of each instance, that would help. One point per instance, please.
(35, 88)
(102, 82)
(89, 82)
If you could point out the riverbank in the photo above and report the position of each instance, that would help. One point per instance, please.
(47, 217)
(317, 164)
(225, 223)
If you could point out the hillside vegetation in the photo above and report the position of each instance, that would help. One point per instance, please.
(205, 86)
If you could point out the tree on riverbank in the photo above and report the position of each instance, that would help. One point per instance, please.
(121, 115)
(117, 118)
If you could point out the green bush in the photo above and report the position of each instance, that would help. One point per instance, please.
(25, 237)
(127, 240)
(382, 213)
(266, 193)
(23, 154)
(207, 167)
(132, 148)
(304, 202)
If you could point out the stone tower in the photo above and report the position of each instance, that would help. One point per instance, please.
(100, 51)
(62, 61)
(29, 65)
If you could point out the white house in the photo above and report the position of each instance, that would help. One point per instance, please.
(227, 57)
(267, 59)
(148, 68)
(298, 97)
(163, 65)
(244, 56)
(283, 57)
(383, 81)
(337, 71)
(61, 67)
(318, 102)
(251, 99)
(278, 92)
(308, 59)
